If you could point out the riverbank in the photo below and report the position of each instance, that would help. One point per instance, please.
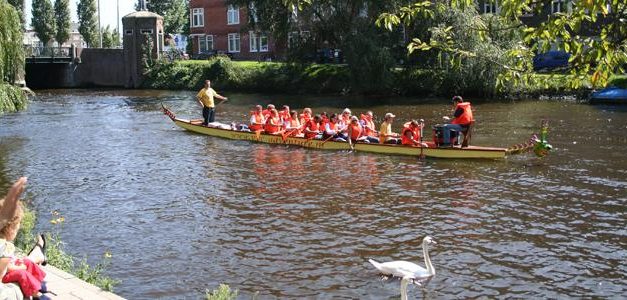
(286, 78)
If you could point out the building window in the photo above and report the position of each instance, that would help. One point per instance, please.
(557, 6)
(205, 43)
(491, 7)
(363, 11)
(232, 15)
(233, 42)
(292, 39)
(146, 31)
(258, 42)
(263, 43)
(128, 32)
(198, 17)
(252, 37)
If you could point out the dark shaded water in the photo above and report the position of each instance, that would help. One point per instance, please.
(181, 212)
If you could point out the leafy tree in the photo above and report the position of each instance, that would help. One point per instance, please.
(110, 38)
(11, 58)
(593, 58)
(19, 5)
(62, 16)
(175, 13)
(87, 22)
(43, 20)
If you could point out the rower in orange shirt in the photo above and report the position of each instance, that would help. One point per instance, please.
(273, 124)
(305, 116)
(257, 121)
(369, 128)
(410, 135)
(312, 128)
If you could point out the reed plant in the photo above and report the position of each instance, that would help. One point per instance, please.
(223, 292)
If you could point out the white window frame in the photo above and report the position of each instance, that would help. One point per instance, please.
(253, 41)
(207, 38)
(263, 43)
(236, 43)
(198, 17)
(204, 40)
(490, 7)
(232, 15)
(291, 36)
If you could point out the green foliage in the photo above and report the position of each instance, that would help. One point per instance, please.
(12, 98)
(369, 62)
(11, 50)
(58, 257)
(87, 22)
(147, 55)
(175, 14)
(110, 38)
(594, 57)
(249, 76)
(19, 5)
(222, 293)
(62, 17)
(43, 21)
(619, 81)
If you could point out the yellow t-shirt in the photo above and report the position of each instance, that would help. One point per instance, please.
(386, 129)
(206, 96)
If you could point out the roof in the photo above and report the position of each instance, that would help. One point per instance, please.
(142, 14)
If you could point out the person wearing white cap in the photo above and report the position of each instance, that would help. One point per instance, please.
(386, 136)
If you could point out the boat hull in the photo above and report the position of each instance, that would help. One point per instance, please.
(455, 152)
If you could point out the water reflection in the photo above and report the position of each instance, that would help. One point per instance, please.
(298, 223)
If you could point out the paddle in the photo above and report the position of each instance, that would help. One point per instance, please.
(422, 125)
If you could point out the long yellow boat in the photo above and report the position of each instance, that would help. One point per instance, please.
(434, 152)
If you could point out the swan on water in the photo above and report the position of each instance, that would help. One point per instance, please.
(401, 268)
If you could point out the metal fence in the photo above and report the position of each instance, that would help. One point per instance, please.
(61, 52)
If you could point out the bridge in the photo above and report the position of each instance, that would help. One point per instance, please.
(64, 55)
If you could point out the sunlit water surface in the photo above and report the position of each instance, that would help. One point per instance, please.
(181, 212)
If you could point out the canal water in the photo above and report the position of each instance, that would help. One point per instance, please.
(181, 213)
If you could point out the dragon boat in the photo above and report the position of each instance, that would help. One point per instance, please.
(538, 145)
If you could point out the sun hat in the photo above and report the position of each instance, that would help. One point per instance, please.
(390, 115)
(346, 110)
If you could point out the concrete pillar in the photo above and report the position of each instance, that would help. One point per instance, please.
(138, 27)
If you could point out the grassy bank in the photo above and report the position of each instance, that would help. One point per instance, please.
(276, 77)
(57, 256)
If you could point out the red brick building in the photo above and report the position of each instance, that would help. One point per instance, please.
(220, 28)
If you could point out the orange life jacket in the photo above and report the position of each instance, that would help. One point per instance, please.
(273, 125)
(258, 121)
(311, 126)
(369, 128)
(304, 118)
(355, 131)
(466, 117)
(285, 116)
(266, 113)
(415, 133)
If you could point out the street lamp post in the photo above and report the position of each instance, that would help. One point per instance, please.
(99, 27)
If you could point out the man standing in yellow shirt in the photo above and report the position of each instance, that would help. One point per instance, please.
(205, 98)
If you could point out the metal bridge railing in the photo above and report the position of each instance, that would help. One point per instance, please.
(60, 52)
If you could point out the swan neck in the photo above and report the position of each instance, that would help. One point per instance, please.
(425, 252)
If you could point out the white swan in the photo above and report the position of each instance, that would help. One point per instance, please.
(401, 268)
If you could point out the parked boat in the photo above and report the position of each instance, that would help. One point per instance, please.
(431, 151)
(609, 95)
